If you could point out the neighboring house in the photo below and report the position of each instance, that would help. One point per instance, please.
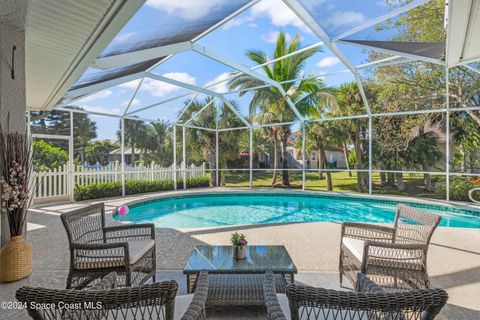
(335, 157)
(116, 155)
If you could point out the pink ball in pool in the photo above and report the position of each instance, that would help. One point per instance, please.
(123, 210)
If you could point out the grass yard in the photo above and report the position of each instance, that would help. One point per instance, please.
(342, 182)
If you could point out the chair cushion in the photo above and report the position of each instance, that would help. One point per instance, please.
(137, 249)
(283, 301)
(355, 246)
(181, 305)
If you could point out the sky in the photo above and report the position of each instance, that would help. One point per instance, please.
(256, 28)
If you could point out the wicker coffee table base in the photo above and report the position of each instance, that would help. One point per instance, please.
(239, 289)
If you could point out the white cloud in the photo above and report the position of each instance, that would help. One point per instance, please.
(101, 109)
(187, 9)
(344, 18)
(328, 62)
(272, 36)
(278, 13)
(221, 87)
(124, 37)
(252, 25)
(99, 95)
(161, 89)
(135, 102)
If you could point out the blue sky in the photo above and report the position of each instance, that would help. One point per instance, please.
(256, 28)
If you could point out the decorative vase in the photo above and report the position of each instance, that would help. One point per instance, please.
(240, 252)
(15, 260)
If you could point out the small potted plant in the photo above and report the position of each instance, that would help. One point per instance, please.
(239, 245)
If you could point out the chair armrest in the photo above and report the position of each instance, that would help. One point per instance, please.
(129, 232)
(196, 309)
(274, 311)
(92, 252)
(367, 231)
(397, 253)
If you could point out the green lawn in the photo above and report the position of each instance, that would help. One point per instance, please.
(342, 182)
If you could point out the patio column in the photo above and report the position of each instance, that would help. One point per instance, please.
(447, 135)
(251, 157)
(12, 85)
(71, 178)
(175, 157)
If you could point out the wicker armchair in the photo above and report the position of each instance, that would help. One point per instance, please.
(308, 303)
(96, 250)
(394, 258)
(150, 301)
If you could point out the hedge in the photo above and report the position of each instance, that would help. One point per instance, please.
(114, 189)
(459, 187)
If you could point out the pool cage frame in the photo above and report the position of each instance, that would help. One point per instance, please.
(324, 40)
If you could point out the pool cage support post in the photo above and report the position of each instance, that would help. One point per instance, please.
(216, 159)
(184, 162)
(122, 148)
(71, 180)
(251, 158)
(447, 134)
(174, 157)
(370, 178)
(304, 140)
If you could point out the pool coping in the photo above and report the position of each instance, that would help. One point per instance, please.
(452, 206)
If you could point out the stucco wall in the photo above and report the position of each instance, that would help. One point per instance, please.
(12, 91)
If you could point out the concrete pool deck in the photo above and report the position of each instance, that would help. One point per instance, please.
(453, 260)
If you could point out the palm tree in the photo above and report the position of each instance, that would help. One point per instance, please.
(202, 143)
(350, 103)
(133, 128)
(308, 94)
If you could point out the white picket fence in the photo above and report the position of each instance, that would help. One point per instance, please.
(54, 183)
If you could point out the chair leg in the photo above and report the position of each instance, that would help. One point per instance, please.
(154, 263)
(340, 266)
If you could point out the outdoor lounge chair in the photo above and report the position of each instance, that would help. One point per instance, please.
(394, 258)
(103, 301)
(96, 250)
(369, 302)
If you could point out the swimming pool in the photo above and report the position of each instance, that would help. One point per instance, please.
(208, 210)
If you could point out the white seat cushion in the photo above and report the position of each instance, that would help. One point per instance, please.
(181, 305)
(355, 246)
(137, 249)
(283, 301)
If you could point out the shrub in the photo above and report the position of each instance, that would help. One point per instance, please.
(114, 189)
(459, 187)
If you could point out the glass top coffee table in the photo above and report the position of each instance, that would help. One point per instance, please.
(239, 282)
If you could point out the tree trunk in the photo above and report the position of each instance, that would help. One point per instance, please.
(285, 178)
(133, 153)
(323, 155)
(400, 183)
(427, 179)
(359, 162)
(320, 165)
(345, 154)
(390, 179)
(383, 179)
(275, 161)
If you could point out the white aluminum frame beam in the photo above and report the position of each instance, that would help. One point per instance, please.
(193, 117)
(313, 25)
(215, 56)
(132, 57)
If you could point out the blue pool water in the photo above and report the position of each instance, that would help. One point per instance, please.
(252, 208)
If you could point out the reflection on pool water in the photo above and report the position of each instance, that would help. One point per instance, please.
(207, 210)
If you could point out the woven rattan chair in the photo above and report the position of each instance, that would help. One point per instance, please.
(370, 302)
(96, 250)
(394, 258)
(149, 301)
